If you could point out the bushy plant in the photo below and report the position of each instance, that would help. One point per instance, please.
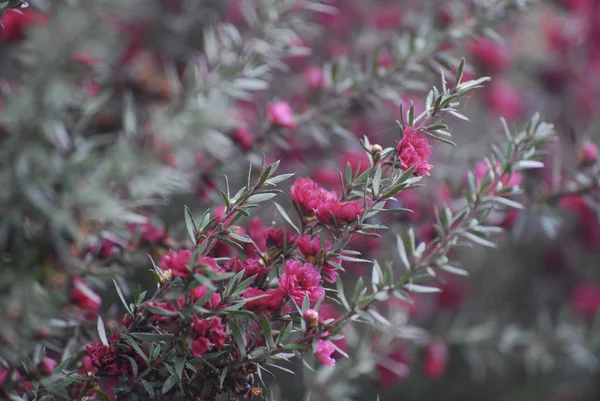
(201, 198)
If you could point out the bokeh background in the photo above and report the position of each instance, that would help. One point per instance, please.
(116, 110)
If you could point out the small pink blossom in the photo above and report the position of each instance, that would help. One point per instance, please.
(200, 292)
(271, 301)
(588, 154)
(199, 346)
(490, 54)
(386, 17)
(315, 78)
(324, 351)
(505, 100)
(83, 296)
(414, 150)
(251, 266)
(281, 114)
(343, 212)
(436, 359)
(299, 280)
(585, 299)
(275, 237)
(243, 137)
(307, 194)
(177, 262)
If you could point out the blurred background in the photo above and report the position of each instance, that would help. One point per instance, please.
(113, 112)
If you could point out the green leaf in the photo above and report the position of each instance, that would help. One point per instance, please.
(402, 252)
(102, 332)
(421, 288)
(342, 295)
(279, 178)
(62, 365)
(149, 389)
(169, 383)
(479, 240)
(459, 72)
(136, 347)
(286, 217)
(238, 337)
(122, 298)
(377, 181)
(258, 198)
(190, 225)
(160, 311)
(134, 365)
(241, 238)
(292, 347)
(151, 337)
(268, 332)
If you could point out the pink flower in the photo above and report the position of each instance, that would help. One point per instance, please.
(83, 296)
(327, 176)
(307, 194)
(275, 237)
(310, 248)
(299, 280)
(177, 262)
(15, 22)
(503, 99)
(414, 150)
(258, 232)
(269, 304)
(251, 267)
(200, 292)
(199, 346)
(315, 78)
(104, 357)
(166, 306)
(329, 272)
(343, 212)
(436, 359)
(588, 154)
(47, 366)
(152, 233)
(490, 54)
(393, 368)
(324, 351)
(208, 331)
(243, 137)
(386, 17)
(585, 299)
(281, 114)
(452, 296)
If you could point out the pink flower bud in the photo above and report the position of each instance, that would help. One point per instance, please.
(311, 317)
(376, 148)
(47, 366)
